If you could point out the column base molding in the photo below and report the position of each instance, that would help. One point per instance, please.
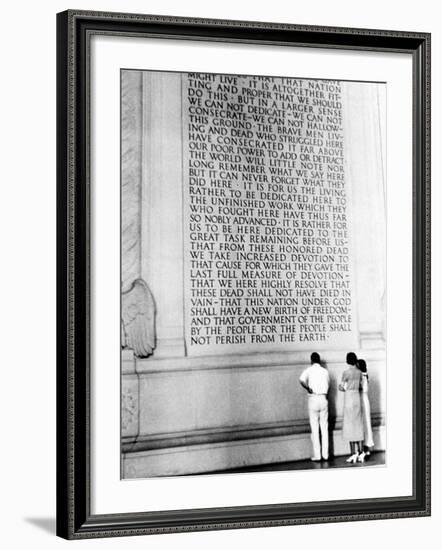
(215, 457)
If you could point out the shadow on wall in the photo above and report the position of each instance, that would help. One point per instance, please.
(332, 408)
(375, 390)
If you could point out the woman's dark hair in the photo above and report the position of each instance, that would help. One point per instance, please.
(351, 358)
(314, 357)
(362, 365)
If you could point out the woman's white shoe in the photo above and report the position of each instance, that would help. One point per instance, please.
(352, 459)
(361, 457)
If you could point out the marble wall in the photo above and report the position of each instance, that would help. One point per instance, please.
(185, 415)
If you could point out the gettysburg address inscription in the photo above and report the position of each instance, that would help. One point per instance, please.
(266, 215)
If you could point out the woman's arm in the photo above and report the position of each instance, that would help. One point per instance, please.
(343, 385)
(364, 383)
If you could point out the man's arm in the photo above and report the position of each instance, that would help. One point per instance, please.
(305, 386)
(303, 380)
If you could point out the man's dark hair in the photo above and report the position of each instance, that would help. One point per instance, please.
(351, 358)
(314, 357)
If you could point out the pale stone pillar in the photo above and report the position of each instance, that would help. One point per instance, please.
(362, 111)
(131, 111)
(161, 207)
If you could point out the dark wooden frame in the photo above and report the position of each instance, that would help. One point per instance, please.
(74, 519)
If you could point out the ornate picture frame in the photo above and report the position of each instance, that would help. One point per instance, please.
(75, 217)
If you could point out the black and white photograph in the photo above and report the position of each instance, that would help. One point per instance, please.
(253, 274)
(219, 283)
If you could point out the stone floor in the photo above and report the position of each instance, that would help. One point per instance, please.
(375, 459)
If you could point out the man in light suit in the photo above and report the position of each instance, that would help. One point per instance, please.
(316, 380)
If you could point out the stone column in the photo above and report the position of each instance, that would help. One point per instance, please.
(161, 207)
(365, 173)
(131, 110)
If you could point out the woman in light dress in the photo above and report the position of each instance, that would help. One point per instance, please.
(353, 423)
(366, 410)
